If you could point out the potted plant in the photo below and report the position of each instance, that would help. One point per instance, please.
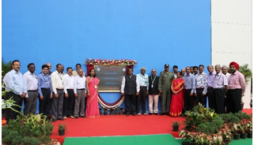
(175, 126)
(61, 129)
(105, 111)
(243, 128)
(100, 111)
(117, 111)
(112, 111)
(121, 110)
(235, 131)
(249, 129)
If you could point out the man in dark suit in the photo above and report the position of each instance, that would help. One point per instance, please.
(130, 89)
(153, 93)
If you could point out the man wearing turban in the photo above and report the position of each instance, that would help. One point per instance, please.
(236, 88)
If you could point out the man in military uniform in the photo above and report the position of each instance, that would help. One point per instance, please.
(165, 81)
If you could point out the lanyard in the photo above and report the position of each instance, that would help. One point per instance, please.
(59, 76)
(45, 79)
(153, 79)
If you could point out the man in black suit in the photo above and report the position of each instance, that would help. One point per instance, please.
(130, 89)
(153, 93)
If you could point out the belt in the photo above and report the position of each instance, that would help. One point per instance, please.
(81, 89)
(210, 87)
(199, 88)
(60, 89)
(32, 90)
(218, 88)
(69, 89)
(45, 88)
(143, 86)
(187, 89)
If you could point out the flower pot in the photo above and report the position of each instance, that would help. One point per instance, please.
(61, 132)
(244, 135)
(175, 128)
(249, 135)
(236, 136)
(105, 112)
(185, 143)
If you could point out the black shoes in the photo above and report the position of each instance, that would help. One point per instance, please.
(150, 113)
(127, 114)
(76, 117)
(134, 114)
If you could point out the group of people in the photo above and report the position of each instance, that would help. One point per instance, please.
(181, 90)
(64, 94)
(74, 95)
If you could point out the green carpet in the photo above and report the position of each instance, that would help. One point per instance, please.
(162, 139)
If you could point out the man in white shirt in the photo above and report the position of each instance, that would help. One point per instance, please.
(58, 89)
(130, 89)
(144, 88)
(80, 94)
(210, 80)
(200, 86)
(68, 108)
(31, 82)
(15, 84)
(225, 72)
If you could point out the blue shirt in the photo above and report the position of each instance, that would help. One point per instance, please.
(189, 81)
(143, 80)
(14, 81)
(44, 81)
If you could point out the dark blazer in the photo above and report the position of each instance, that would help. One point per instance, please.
(154, 90)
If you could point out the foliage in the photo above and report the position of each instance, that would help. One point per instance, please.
(6, 67)
(90, 61)
(175, 124)
(8, 104)
(198, 116)
(27, 130)
(62, 126)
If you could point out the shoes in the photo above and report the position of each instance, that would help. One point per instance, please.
(76, 117)
(162, 114)
(82, 116)
(145, 114)
(150, 113)
(71, 116)
(127, 114)
(64, 117)
(138, 114)
(60, 118)
(155, 113)
(134, 114)
(53, 120)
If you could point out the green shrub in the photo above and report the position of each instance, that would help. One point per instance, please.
(27, 130)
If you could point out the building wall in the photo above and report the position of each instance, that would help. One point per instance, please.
(151, 32)
(232, 34)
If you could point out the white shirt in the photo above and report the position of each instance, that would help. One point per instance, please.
(79, 83)
(220, 81)
(123, 85)
(143, 80)
(31, 81)
(227, 75)
(57, 81)
(68, 82)
(200, 82)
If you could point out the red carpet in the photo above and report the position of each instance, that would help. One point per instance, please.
(113, 125)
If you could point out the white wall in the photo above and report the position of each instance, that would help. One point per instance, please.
(232, 34)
